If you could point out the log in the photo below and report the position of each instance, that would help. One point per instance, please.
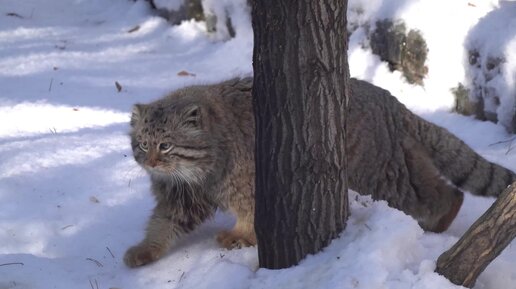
(482, 243)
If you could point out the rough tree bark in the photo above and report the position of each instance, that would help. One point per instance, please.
(482, 243)
(300, 94)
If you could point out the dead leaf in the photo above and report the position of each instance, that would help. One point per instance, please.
(93, 199)
(55, 68)
(12, 14)
(185, 73)
(118, 86)
(75, 109)
(66, 227)
(134, 29)
(471, 4)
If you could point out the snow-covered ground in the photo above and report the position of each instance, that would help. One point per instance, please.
(72, 199)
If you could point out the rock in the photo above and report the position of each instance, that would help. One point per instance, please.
(188, 9)
(413, 58)
(387, 41)
(406, 52)
(193, 9)
(482, 95)
(490, 69)
(463, 105)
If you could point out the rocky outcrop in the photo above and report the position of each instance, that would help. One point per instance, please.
(490, 73)
(402, 50)
(194, 9)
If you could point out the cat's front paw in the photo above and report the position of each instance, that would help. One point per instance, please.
(234, 240)
(142, 254)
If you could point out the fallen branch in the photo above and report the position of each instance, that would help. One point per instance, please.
(95, 261)
(110, 252)
(14, 263)
(510, 147)
(482, 243)
(96, 284)
(13, 14)
(503, 141)
(50, 85)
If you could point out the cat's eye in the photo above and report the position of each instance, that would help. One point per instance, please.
(144, 146)
(165, 147)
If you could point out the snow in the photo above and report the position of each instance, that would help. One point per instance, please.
(72, 199)
(171, 5)
(493, 47)
(444, 38)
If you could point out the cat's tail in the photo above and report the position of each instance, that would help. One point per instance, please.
(461, 165)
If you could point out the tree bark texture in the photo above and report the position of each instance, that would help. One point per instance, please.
(482, 243)
(300, 96)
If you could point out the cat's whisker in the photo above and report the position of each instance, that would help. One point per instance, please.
(185, 179)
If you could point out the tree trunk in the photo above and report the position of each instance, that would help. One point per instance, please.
(483, 242)
(300, 95)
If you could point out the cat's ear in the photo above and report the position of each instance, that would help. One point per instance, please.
(137, 113)
(192, 116)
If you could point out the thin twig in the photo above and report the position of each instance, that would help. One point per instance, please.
(134, 29)
(509, 148)
(181, 278)
(50, 86)
(95, 261)
(110, 252)
(96, 284)
(503, 141)
(13, 14)
(14, 263)
(66, 227)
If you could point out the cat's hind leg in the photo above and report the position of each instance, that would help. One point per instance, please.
(241, 204)
(437, 201)
(452, 202)
(242, 234)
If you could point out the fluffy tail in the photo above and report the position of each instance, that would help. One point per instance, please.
(461, 165)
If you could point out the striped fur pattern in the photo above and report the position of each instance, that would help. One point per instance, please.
(414, 165)
(198, 146)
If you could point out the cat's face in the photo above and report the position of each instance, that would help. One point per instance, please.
(170, 141)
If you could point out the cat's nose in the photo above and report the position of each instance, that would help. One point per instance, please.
(151, 162)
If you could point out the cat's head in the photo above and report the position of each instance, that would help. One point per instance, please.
(171, 140)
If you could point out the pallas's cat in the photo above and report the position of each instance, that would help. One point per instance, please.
(197, 144)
